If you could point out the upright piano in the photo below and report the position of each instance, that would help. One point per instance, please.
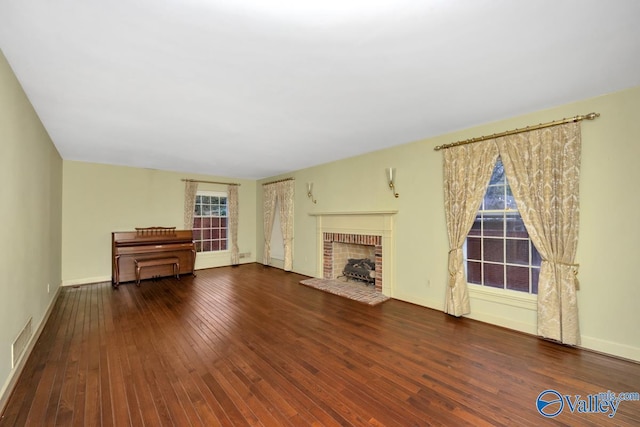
(127, 247)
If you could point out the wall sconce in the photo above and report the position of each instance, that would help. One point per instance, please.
(391, 172)
(310, 191)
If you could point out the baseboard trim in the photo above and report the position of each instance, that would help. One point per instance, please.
(14, 375)
(609, 348)
(86, 280)
(503, 322)
(427, 303)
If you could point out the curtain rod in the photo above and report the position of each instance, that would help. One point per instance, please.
(590, 116)
(210, 182)
(280, 180)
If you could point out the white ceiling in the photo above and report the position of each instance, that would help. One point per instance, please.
(252, 89)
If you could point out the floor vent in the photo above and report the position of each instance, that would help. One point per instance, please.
(20, 344)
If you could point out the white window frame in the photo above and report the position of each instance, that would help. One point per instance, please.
(226, 228)
(510, 209)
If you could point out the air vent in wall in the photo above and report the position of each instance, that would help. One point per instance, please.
(20, 344)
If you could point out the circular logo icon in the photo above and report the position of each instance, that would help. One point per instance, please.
(549, 403)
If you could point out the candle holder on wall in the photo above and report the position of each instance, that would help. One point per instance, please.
(391, 172)
(310, 191)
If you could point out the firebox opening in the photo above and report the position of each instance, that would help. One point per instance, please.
(360, 269)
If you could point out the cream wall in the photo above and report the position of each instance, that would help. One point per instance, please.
(100, 199)
(607, 252)
(31, 215)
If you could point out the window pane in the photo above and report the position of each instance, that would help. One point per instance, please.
(498, 173)
(535, 274)
(536, 258)
(518, 278)
(498, 237)
(515, 227)
(494, 198)
(517, 252)
(476, 228)
(209, 230)
(494, 250)
(474, 272)
(493, 225)
(511, 201)
(494, 275)
(474, 248)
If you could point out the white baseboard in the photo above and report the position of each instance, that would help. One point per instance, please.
(428, 303)
(277, 263)
(14, 375)
(86, 280)
(611, 348)
(502, 322)
(306, 273)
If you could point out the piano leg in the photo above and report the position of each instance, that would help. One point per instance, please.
(116, 272)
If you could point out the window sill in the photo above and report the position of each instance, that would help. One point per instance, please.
(502, 296)
(212, 254)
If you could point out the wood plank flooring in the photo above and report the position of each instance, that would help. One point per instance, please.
(251, 346)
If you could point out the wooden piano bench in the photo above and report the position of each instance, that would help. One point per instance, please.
(153, 262)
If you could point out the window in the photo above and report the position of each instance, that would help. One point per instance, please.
(498, 251)
(210, 221)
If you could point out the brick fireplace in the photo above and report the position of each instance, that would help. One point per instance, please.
(346, 231)
(338, 247)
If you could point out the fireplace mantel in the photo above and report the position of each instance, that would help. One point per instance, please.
(376, 223)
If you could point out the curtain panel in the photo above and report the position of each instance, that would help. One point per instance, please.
(190, 190)
(232, 200)
(467, 171)
(281, 192)
(285, 191)
(269, 208)
(543, 170)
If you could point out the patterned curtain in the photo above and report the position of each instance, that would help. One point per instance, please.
(467, 171)
(543, 168)
(190, 190)
(269, 207)
(285, 191)
(232, 200)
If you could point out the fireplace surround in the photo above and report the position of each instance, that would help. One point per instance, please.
(371, 228)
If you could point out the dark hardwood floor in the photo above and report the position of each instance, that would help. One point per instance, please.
(250, 346)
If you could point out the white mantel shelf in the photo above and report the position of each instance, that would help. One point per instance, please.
(353, 213)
